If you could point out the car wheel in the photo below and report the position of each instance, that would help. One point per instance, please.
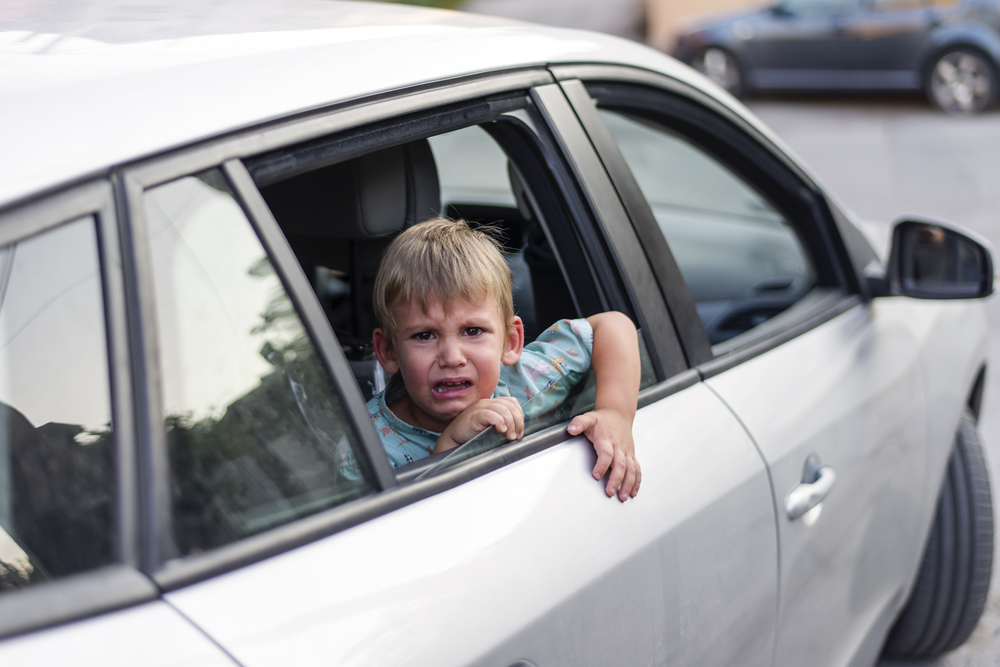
(962, 81)
(721, 67)
(954, 575)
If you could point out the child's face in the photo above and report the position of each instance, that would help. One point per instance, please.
(448, 359)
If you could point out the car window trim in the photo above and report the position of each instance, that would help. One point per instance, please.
(827, 309)
(802, 207)
(184, 571)
(690, 331)
(341, 117)
(113, 586)
(74, 598)
(841, 269)
(313, 319)
(624, 74)
(627, 253)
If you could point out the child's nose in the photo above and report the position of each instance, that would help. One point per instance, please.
(451, 352)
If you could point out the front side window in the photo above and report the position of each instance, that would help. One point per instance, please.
(57, 484)
(742, 262)
(256, 435)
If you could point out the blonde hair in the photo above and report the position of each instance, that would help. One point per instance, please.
(442, 259)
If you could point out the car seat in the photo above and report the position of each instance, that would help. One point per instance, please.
(339, 219)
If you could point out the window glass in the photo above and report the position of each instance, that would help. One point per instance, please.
(56, 473)
(741, 260)
(256, 435)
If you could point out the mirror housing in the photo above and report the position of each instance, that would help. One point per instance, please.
(930, 259)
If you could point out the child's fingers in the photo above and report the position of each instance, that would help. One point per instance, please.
(518, 418)
(618, 469)
(605, 455)
(638, 479)
(581, 423)
(628, 487)
(511, 416)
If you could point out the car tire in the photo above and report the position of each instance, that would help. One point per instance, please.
(954, 577)
(962, 81)
(721, 67)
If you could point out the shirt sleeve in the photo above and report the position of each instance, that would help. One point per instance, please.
(551, 365)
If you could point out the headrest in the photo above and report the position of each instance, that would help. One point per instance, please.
(372, 196)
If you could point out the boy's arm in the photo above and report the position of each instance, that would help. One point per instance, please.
(615, 360)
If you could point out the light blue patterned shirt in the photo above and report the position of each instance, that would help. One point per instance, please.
(556, 361)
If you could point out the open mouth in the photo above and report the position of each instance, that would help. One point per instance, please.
(448, 388)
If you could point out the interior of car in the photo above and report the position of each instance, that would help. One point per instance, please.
(340, 218)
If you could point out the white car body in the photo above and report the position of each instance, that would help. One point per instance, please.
(529, 561)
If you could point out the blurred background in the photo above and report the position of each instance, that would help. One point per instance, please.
(884, 150)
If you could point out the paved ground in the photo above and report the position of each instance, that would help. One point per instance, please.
(889, 157)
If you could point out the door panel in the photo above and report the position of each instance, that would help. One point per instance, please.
(849, 392)
(152, 635)
(533, 562)
(806, 39)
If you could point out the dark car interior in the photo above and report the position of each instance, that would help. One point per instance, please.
(340, 218)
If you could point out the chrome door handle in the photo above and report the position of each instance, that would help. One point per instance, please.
(805, 496)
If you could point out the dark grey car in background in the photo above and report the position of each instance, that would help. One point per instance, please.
(950, 49)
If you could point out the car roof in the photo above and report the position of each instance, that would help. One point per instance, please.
(89, 85)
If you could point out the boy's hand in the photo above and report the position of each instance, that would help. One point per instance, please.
(503, 414)
(610, 432)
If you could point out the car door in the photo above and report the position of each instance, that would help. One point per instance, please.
(801, 44)
(516, 554)
(829, 387)
(888, 36)
(71, 583)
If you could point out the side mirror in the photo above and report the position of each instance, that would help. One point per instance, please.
(933, 260)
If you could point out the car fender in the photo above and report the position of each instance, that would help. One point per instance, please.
(950, 35)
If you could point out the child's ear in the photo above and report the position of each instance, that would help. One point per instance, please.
(514, 343)
(383, 350)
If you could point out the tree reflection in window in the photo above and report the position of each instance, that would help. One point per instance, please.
(256, 434)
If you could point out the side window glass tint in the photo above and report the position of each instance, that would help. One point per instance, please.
(57, 484)
(741, 260)
(257, 437)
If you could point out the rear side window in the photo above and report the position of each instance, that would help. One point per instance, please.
(57, 485)
(256, 435)
(742, 262)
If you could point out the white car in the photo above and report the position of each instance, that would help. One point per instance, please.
(193, 201)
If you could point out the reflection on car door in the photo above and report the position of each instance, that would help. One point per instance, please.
(151, 634)
(533, 561)
(845, 394)
(848, 393)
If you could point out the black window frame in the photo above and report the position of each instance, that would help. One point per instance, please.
(835, 247)
(120, 584)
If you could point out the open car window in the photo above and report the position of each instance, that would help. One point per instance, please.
(339, 218)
